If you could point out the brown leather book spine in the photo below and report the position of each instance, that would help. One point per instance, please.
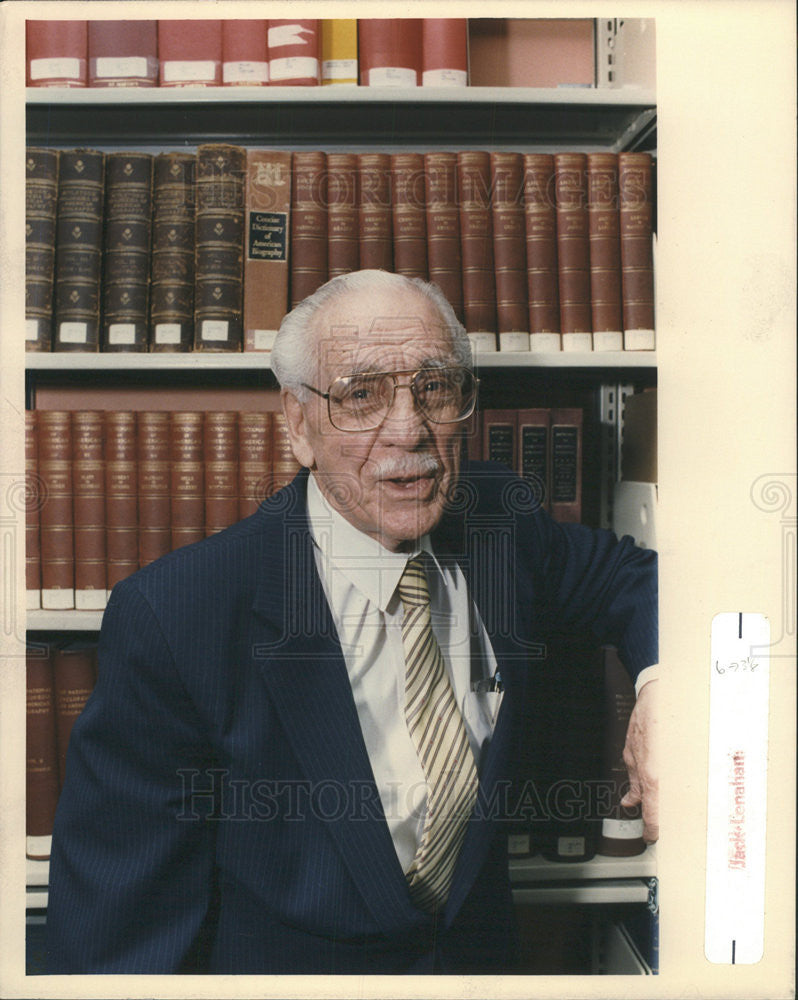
(74, 678)
(532, 462)
(476, 244)
(172, 259)
(409, 215)
(34, 497)
(219, 267)
(605, 251)
(190, 53)
(541, 251)
(635, 172)
(126, 251)
(42, 784)
(56, 517)
(573, 250)
(187, 478)
(121, 491)
(308, 254)
(294, 53)
(376, 229)
(245, 53)
(56, 53)
(220, 445)
(88, 478)
(566, 464)
(389, 51)
(78, 255)
(153, 485)
(509, 249)
(254, 460)
(284, 464)
(343, 238)
(444, 259)
(268, 214)
(41, 202)
(444, 52)
(621, 827)
(500, 436)
(123, 54)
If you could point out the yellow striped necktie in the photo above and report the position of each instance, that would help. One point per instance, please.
(441, 741)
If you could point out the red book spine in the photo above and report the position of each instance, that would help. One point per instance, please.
(190, 53)
(343, 241)
(409, 217)
(294, 50)
(389, 52)
(566, 464)
(637, 260)
(254, 460)
(56, 518)
(56, 53)
(245, 53)
(443, 227)
(444, 52)
(308, 256)
(89, 509)
(121, 491)
(605, 251)
(541, 252)
(153, 485)
(123, 54)
(187, 478)
(42, 784)
(573, 250)
(74, 676)
(34, 497)
(220, 444)
(509, 250)
(476, 243)
(376, 230)
(284, 464)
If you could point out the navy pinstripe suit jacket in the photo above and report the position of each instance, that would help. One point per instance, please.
(219, 812)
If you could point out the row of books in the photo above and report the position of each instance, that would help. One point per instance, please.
(377, 52)
(206, 251)
(60, 678)
(112, 490)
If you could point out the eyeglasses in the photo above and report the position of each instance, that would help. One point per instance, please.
(362, 401)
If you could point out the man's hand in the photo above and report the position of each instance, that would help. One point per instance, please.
(640, 755)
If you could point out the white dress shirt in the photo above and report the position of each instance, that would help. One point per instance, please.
(360, 578)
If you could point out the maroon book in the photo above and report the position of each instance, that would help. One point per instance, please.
(637, 252)
(42, 784)
(123, 53)
(187, 478)
(284, 464)
(190, 53)
(153, 485)
(254, 460)
(541, 252)
(444, 52)
(444, 259)
(476, 242)
(409, 217)
(56, 517)
(121, 491)
(389, 52)
(376, 230)
(88, 476)
(56, 53)
(220, 445)
(308, 256)
(245, 53)
(343, 239)
(509, 250)
(74, 672)
(34, 495)
(605, 251)
(294, 50)
(573, 251)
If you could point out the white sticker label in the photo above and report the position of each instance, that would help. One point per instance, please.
(294, 68)
(167, 333)
(175, 71)
(443, 78)
(73, 333)
(392, 76)
(339, 69)
(263, 340)
(32, 330)
(121, 67)
(55, 69)
(121, 333)
(255, 73)
(214, 329)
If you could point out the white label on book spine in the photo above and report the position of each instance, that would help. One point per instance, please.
(121, 334)
(55, 69)
(73, 333)
(181, 71)
(608, 340)
(214, 330)
(339, 69)
(38, 847)
(58, 600)
(639, 340)
(167, 333)
(255, 73)
(483, 343)
(121, 66)
(294, 68)
(263, 340)
(514, 341)
(577, 341)
(737, 788)
(392, 76)
(622, 829)
(90, 600)
(545, 343)
(444, 78)
(32, 329)
(569, 847)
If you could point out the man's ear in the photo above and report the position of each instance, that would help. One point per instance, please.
(297, 425)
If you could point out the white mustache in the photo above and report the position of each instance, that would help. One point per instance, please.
(407, 465)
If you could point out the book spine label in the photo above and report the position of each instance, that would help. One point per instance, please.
(126, 251)
(41, 202)
(541, 250)
(409, 219)
(254, 460)
(476, 242)
(268, 212)
(89, 509)
(573, 245)
(294, 50)
(376, 229)
(121, 490)
(605, 249)
(308, 256)
(218, 307)
(187, 478)
(509, 242)
(172, 261)
(153, 485)
(443, 227)
(343, 240)
(56, 517)
(636, 224)
(78, 262)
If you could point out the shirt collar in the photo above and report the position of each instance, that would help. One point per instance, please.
(371, 568)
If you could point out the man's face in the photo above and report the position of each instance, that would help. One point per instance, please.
(391, 482)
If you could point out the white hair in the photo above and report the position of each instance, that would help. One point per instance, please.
(294, 356)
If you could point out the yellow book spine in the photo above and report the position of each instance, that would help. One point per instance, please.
(338, 51)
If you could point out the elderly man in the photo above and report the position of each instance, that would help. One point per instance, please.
(293, 758)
